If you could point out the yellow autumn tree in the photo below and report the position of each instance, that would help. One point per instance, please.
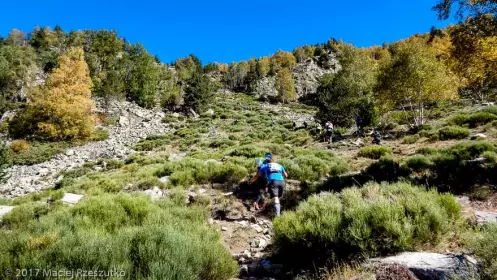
(475, 53)
(62, 108)
(262, 67)
(284, 86)
(415, 76)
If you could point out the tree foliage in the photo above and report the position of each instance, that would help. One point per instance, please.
(198, 92)
(348, 92)
(62, 108)
(475, 49)
(444, 8)
(142, 76)
(284, 86)
(413, 76)
(17, 72)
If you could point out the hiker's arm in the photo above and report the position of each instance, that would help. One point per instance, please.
(256, 177)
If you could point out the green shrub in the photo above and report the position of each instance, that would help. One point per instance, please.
(99, 135)
(340, 131)
(453, 132)
(428, 134)
(484, 246)
(40, 152)
(221, 143)
(387, 170)
(150, 144)
(146, 240)
(191, 171)
(480, 118)
(372, 221)
(459, 119)
(418, 163)
(186, 133)
(248, 151)
(475, 119)
(491, 157)
(410, 139)
(468, 150)
(426, 151)
(111, 163)
(490, 109)
(374, 152)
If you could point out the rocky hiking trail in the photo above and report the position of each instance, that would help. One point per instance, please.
(134, 123)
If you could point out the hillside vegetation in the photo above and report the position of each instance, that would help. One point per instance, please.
(180, 206)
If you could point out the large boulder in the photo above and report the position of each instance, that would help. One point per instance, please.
(306, 75)
(485, 217)
(123, 121)
(265, 88)
(433, 266)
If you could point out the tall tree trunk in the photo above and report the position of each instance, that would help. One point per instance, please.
(420, 103)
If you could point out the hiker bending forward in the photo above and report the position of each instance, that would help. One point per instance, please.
(275, 174)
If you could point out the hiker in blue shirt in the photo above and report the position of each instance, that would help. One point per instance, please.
(263, 181)
(275, 174)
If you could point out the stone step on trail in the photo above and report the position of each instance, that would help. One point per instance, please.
(71, 198)
(426, 265)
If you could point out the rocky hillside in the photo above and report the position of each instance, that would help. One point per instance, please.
(305, 75)
(133, 123)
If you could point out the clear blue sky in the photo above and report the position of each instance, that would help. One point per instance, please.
(228, 31)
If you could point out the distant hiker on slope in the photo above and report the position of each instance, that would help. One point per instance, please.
(376, 137)
(329, 132)
(358, 123)
(275, 174)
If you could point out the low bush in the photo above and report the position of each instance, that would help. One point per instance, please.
(410, 139)
(18, 146)
(491, 157)
(387, 170)
(340, 131)
(374, 152)
(371, 221)
(453, 169)
(480, 118)
(490, 109)
(40, 152)
(191, 171)
(418, 163)
(99, 135)
(221, 143)
(484, 246)
(459, 120)
(428, 134)
(468, 150)
(474, 119)
(311, 168)
(426, 151)
(248, 151)
(146, 240)
(110, 164)
(453, 132)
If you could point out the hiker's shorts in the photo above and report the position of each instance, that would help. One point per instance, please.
(276, 188)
